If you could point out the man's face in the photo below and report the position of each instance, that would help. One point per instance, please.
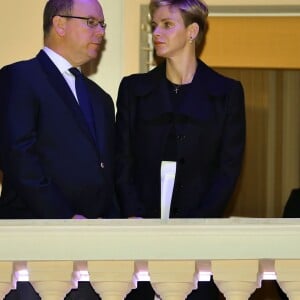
(82, 42)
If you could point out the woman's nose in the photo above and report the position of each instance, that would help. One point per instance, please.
(156, 31)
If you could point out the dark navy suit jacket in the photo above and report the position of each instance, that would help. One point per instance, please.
(210, 143)
(53, 168)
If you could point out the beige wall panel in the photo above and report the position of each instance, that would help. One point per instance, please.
(272, 157)
(253, 42)
(251, 189)
(291, 134)
(252, 2)
(20, 30)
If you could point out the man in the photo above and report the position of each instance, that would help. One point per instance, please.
(56, 128)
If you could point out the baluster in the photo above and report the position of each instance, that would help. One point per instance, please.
(172, 280)
(112, 280)
(288, 277)
(51, 279)
(236, 279)
(6, 269)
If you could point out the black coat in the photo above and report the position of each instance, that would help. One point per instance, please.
(210, 142)
(292, 206)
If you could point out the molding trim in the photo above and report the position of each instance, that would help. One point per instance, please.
(240, 238)
(254, 10)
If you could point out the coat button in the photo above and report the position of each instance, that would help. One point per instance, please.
(180, 137)
(179, 186)
(102, 165)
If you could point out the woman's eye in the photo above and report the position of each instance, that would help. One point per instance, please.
(168, 24)
(165, 25)
(153, 26)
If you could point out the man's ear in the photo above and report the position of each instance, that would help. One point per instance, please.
(59, 25)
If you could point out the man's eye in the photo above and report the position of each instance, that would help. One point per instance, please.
(92, 22)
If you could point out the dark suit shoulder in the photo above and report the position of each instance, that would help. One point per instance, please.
(135, 80)
(20, 66)
(214, 80)
(142, 83)
(154, 74)
(17, 75)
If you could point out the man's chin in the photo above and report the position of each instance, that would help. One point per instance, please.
(93, 54)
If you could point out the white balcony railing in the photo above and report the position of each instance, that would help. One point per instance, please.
(174, 254)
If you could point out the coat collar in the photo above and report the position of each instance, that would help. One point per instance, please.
(62, 89)
(153, 87)
(156, 78)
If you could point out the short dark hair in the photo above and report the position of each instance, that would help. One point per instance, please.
(54, 8)
(192, 11)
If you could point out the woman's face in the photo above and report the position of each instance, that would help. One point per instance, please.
(170, 36)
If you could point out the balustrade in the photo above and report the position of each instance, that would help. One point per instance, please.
(172, 254)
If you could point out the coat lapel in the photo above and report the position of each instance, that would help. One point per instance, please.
(61, 87)
(99, 118)
(153, 93)
(202, 94)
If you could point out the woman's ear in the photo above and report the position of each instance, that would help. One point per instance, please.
(193, 30)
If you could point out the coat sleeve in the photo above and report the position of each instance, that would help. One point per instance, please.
(126, 187)
(20, 157)
(230, 157)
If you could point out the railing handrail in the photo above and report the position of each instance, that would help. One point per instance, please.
(201, 239)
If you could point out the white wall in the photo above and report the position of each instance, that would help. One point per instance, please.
(110, 69)
(21, 29)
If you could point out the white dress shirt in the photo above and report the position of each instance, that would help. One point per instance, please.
(63, 66)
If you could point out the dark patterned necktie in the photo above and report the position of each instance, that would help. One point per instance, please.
(83, 100)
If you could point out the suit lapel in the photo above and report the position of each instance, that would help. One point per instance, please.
(99, 116)
(154, 94)
(61, 87)
(197, 93)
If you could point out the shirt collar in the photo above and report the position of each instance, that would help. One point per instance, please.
(60, 62)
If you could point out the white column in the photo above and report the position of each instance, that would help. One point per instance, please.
(112, 280)
(172, 280)
(51, 279)
(6, 269)
(236, 279)
(288, 277)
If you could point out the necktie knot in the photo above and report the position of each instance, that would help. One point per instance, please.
(75, 72)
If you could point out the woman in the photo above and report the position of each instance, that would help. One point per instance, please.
(184, 112)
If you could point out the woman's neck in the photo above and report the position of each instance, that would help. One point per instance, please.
(181, 71)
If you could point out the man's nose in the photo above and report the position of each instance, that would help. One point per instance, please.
(100, 30)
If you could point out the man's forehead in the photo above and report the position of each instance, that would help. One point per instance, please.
(88, 7)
